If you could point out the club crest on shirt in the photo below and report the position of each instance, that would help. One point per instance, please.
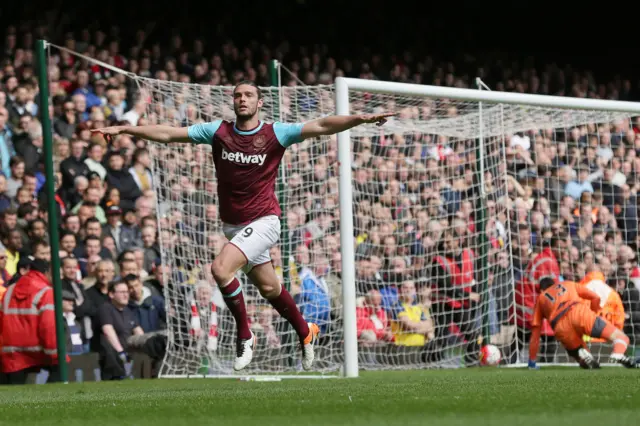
(259, 142)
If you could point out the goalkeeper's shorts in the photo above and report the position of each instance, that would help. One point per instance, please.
(255, 239)
(578, 322)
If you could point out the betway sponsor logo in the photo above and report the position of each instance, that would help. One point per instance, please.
(242, 158)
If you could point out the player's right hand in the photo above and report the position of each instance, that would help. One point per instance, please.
(379, 119)
(109, 131)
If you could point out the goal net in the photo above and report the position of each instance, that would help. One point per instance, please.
(452, 201)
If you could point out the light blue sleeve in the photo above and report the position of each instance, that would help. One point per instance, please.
(202, 133)
(288, 134)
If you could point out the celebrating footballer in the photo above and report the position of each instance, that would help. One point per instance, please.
(246, 154)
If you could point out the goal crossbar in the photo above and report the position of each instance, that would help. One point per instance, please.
(474, 95)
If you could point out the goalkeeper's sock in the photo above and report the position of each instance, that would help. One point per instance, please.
(619, 339)
(286, 307)
(234, 299)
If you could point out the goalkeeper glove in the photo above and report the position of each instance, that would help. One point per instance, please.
(533, 366)
(123, 357)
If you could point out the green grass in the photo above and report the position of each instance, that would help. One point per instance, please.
(567, 397)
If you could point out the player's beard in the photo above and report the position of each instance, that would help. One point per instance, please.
(247, 114)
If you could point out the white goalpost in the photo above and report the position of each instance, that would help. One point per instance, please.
(482, 173)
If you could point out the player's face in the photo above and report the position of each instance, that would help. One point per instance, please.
(245, 101)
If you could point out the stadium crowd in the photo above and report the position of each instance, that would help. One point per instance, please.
(570, 194)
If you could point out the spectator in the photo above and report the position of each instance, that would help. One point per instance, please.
(127, 264)
(23, 330)
(141, 169)
(116, 324)
(151, 248)
(313, 298)
(160, 278)
(120, 178)
(92, 197)
(373, 325)
(7, 150)
(74, 329)
(83, 309)
(12, 241)
(411, 325)
(5, 201)
(66, 123)
(99, 294)
(148, 309)
(73, 166)
(5, 276)
(138, 252)
(92, 270)
(95, 155)
(15, 174)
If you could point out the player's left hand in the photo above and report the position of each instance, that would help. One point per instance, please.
(379, 119)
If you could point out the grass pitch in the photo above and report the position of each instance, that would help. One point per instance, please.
(456, 397)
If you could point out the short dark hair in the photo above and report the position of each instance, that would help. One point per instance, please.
(91, 238)
(69, 215)
(138, 153)
(91, 220)
(70, 257)
(123, 254)
(114, 284)
(25, 209)
(93, 145)
(64, 233)
(32, 223)
(37, 243)
(546, 282)
(249, 83)
(130, 278)
(11, 211)
(16, 159)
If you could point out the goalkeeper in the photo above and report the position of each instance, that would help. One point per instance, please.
(247, 153)
(562, 305)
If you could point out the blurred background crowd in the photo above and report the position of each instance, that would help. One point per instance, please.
(573, 190)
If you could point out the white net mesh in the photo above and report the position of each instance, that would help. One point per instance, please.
(429, 283)
(573, 181)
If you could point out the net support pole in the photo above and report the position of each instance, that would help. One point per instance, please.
(482, 264)
(346, 237)
(51, 206)
(282, 187)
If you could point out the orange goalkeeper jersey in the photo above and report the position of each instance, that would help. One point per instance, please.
(558, 299)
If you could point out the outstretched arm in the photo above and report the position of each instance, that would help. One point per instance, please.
(534, 345)
(156, 132)
(339, 123)
(534, 340)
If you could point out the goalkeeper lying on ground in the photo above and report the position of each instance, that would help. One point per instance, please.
(561, 304)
